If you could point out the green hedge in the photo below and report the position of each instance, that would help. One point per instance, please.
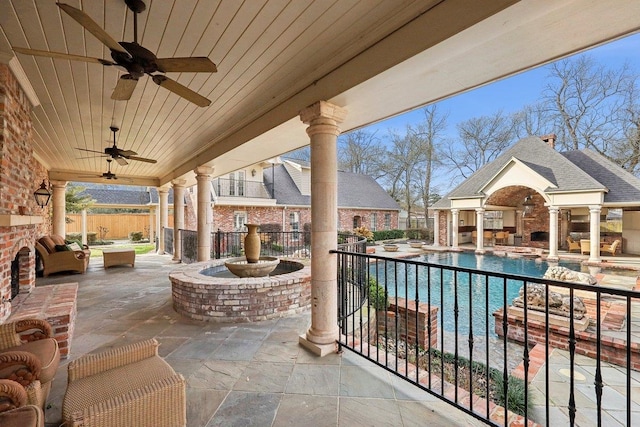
(419, 234)
(388, 234)
(92, 236)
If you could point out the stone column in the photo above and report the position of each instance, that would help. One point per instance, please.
(84, 226)
(436, 228)
(163, 196)
(594, 233)
(553, 233)
(203, 176)
(323, 119)
(480, 231)
(178, 216)
(58, 221)
(152, 224)
(454, 228)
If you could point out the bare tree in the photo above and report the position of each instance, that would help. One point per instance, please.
(482, 139)
(586, 99)
(301, 154)
(361, 152)
(532, 120)
(428, 135)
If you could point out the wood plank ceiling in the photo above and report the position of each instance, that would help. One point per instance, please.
(374, 57)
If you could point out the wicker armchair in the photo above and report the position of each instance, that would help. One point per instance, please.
(573, 245)
(14, 410)
(126, 386)
(55, 260)
(30, 356)
(612, 248)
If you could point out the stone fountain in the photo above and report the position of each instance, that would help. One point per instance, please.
(252, 264)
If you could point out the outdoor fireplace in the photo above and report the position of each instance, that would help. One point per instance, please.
(539, 236)
(15, 276)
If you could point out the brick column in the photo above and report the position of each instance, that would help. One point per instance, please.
(59, 207)
(163, 196)
(178, 216)
(203, 176)
(323, 119)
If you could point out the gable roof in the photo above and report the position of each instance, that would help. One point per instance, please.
(580, 170)
(354, 190)
(122, 195)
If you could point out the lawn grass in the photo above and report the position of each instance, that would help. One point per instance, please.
(139, 248)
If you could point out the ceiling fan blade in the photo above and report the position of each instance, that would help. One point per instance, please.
(89, 157)
(122, 161)
(196, 64)
(181, 90)
(91, 26)
(142, 159)
(60, 55)
(126, 153)
(91, 151)
(124, 88)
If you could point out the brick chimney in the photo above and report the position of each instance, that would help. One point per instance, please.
(550, 140)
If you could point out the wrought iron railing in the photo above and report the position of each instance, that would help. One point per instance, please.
(240, 188)
(352, 275)
(441, 328)
(231, 244)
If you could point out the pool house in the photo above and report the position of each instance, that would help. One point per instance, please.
(200, 89)
(536, 197)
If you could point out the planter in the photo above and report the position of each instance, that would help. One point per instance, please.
(416, 245)
(391, 248)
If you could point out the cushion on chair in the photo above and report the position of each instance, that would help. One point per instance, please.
(25, 416)
(46, 350)
(57, 240)
(48, 244)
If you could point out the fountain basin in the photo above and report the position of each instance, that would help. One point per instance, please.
(242, 268)
(217, 296)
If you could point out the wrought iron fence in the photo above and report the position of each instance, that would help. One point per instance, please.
(231, 244)
(240, 188)
(442, 329)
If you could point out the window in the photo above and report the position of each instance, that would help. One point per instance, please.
(357, 221)
(239, 220)
(236, 183)
(374, 221)
(493, 220)
(387, 221)
(294, 223)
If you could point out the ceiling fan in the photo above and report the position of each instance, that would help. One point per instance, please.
(121, 156)
(106, 175)
(133, 58)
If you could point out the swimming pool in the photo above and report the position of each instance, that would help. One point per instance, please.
(473, 293)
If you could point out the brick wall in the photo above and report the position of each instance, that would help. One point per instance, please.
(20, 175)
(223, 216)
(400, 321)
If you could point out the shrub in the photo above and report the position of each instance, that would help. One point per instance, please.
(91, 237)
(388, 234)
(277, 248)
(378, 297)
(135, 236)
(514, 400)
(364, 232)
(418, 234)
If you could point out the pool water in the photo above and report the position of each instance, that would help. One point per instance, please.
(473, 293)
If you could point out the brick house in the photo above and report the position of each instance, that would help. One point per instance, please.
(274, 192)
(541, 197)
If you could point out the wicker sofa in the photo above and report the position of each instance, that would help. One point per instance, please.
(125, 386)
(57, 256)
(14, 408)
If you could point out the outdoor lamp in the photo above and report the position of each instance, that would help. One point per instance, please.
(253, 172)
(528, 205)
(42, 195)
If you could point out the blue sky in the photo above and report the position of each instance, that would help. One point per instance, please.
(508, 95)
(513, 93)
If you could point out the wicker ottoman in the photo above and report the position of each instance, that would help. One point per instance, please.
(124, 387)
(118, 256)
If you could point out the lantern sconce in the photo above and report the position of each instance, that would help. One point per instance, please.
(253, 172)
(42, 194)
(527, 206)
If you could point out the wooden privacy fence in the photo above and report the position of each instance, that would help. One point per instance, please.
(118, 225)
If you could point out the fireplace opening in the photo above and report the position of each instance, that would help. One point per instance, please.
(15, 276)
(539, 236)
